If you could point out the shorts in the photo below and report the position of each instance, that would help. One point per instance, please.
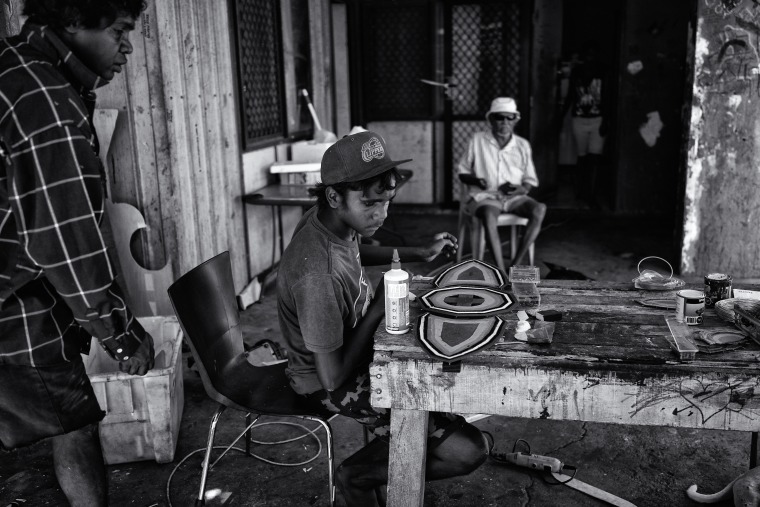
(352, 399)
(42, 402)
(504, 204)
(587, 137)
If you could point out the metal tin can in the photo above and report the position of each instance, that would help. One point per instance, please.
(690, 305)
(717, 287)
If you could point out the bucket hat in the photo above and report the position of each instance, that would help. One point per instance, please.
(506, 105)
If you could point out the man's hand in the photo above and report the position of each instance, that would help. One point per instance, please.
(142, 360)
(443, 243)
(510, 190)
(506, 188)
(470, 179)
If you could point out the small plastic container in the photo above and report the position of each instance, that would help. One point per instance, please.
(524, 274)
(527, 295)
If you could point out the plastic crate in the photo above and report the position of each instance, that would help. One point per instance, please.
(143, 414)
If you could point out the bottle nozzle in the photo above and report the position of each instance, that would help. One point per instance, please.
(396, 261)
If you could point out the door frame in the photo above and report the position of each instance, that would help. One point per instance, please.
(441, 115)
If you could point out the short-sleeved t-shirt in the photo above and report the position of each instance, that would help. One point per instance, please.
(322, 289)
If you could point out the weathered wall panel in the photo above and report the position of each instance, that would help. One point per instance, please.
(722, 207)
(181, 167)
(411, 139)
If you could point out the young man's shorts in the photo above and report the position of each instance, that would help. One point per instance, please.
(41, 402)
(352, 400)
(504, 204)
(587, 137)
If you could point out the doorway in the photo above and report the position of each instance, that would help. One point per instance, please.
(646, 47)
(439, 63)
(587, 72)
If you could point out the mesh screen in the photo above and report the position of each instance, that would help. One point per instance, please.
(462, 132)
(397, 42)
(485, 56)
(260, 64)
(485, 49)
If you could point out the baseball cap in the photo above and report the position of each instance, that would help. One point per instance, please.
(356, 157)
(506, 105)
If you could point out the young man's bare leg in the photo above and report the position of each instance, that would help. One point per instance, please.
(461, 453)
(536, 213)
(362, 472)
(489, 216)
(79, 467)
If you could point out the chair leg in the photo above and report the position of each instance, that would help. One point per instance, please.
(531, 254)
(248, 434)
(513, 242)
(330, 458)
(479, 239)
(460, 238)
(201, 500)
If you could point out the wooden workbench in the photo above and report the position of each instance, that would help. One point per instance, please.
(610, 361)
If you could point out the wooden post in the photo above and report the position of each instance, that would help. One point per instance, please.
(411, 448)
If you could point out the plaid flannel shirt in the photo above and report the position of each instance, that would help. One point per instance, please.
(57, 283)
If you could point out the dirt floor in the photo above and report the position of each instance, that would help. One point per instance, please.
(648, 466)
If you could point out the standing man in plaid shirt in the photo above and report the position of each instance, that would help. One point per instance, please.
(57, 284)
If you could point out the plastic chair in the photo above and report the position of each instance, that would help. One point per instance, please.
(205, 304)
(477, 231)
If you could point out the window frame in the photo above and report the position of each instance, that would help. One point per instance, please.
(290, 101)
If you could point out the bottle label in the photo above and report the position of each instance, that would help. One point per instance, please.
(397, 307)
(397, 290)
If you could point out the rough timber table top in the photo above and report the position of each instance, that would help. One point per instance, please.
(610, 361)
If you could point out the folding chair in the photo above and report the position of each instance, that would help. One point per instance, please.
(478, 233)
(205, 304)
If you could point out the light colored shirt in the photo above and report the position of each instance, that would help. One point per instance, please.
(511, 164)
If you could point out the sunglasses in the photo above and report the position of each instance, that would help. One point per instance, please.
(504, 117)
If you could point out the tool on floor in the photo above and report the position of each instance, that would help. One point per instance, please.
(533, 461)
(528, 460)
(555, 468)
(592, 491)
(320, 135)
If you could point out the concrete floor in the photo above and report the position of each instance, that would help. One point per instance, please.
(648, 466)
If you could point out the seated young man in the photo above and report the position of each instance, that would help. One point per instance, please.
(328, 314)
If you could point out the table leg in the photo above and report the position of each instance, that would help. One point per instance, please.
(753, 451)
(408, 452)
(280, 231)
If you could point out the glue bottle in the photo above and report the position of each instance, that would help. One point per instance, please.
(396, 297)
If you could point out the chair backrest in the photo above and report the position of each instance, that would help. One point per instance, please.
(205, 304)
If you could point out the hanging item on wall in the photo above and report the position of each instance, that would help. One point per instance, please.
(146, 289)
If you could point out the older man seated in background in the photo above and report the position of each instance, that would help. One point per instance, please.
(498, 167)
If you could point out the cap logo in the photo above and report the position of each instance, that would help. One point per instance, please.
(372, 149)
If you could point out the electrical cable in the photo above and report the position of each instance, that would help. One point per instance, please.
(260, 458)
